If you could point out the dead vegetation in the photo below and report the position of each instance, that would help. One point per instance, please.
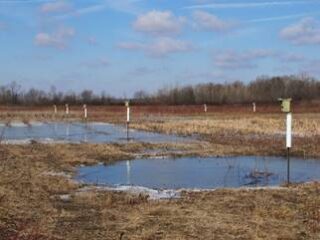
(39, 200)
(37, 204)
(227, 130)
(261, 134)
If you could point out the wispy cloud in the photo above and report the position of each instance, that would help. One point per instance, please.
(231, 59)
(159, 23)
(160, 47)
(209, 22)
(246, 4)
(57, 39)
(127, 6)
(291, 57)
(83, 11)
(25, 1)
(306, 31)
(280, 18)
(55, 7)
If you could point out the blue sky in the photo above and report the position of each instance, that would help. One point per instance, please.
(126, 45)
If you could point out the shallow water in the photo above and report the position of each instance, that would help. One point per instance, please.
(79, 132)
(200, 173)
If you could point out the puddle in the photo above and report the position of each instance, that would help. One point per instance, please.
(200, 173)
(75, 132)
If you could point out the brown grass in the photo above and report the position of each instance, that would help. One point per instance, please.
(31, 206)
(260, 134)
(229, 130)
(37, 203)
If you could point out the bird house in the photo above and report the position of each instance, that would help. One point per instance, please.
(285, 105)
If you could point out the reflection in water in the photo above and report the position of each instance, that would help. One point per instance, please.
(128, 172)
(55, 126)
(202, 173)
(78, 132)
(67, 131)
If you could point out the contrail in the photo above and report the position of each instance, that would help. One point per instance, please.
(247, 4)
(279, 18)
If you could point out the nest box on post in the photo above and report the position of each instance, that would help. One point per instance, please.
(285, 104)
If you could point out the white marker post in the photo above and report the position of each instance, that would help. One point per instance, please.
(85, 111)
(254, 107)
(205, 107)
(288, 143)
(286, 108)
(67, 109)
(55, 110)
(128, 119)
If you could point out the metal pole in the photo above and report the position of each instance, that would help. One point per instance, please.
(288, 166)
(288, 143)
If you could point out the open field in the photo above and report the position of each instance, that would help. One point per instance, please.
(39, 199)
(230, 130)
(37, 202)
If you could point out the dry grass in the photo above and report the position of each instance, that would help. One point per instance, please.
(227, 130)
(36, 203)
(31, 206)
(303, 125)
(261, 134)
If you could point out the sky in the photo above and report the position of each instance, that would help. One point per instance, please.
(124, 46)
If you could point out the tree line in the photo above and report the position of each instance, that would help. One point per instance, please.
(264, 89)
(13, 94)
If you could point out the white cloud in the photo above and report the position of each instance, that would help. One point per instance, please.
(57, 39)
(209, 22)
(306, 31)
(165, 46)
(55, 7)
(160, 47)
(231, 59)
(159, 23)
